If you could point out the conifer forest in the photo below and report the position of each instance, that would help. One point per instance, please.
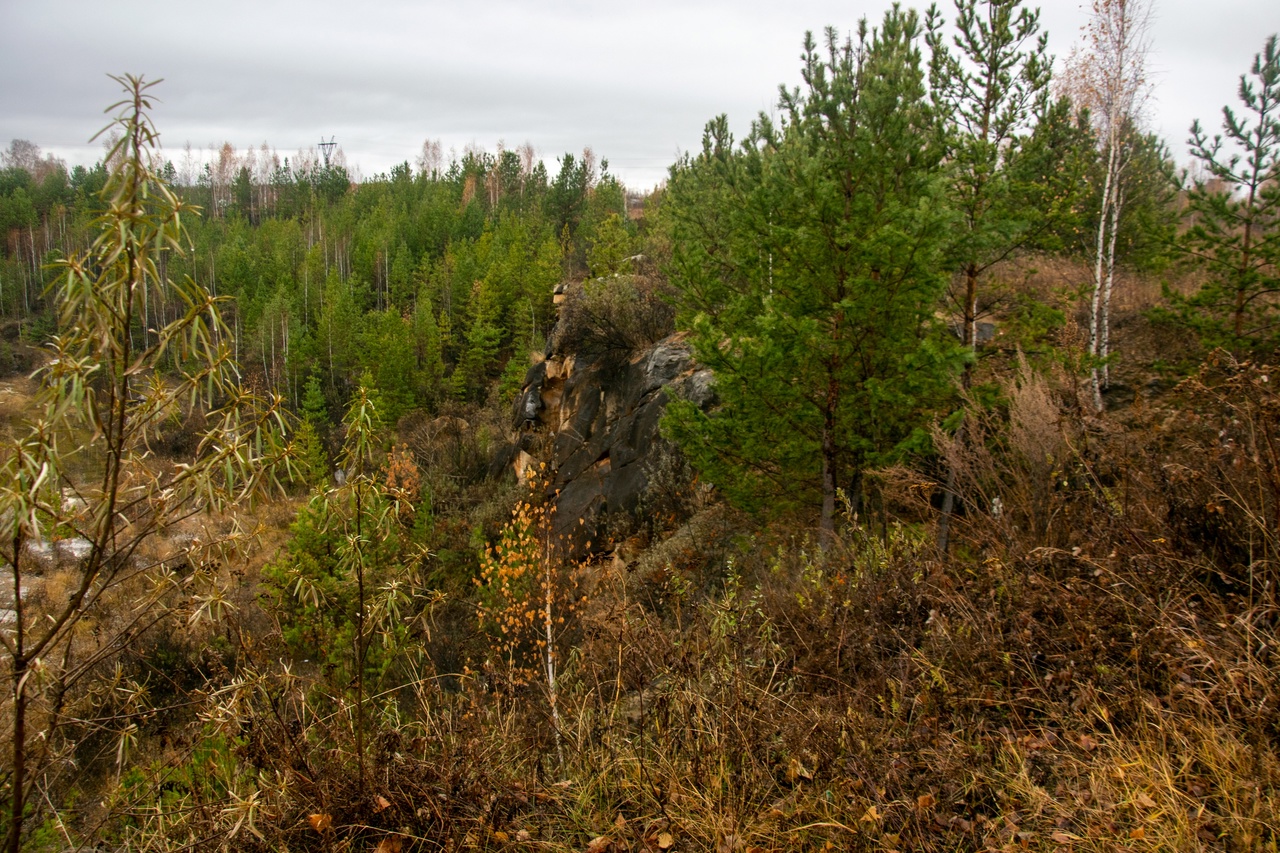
(901, 474)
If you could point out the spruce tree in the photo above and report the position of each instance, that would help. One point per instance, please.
(314, 406)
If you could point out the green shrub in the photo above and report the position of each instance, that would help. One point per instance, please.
(609, 319)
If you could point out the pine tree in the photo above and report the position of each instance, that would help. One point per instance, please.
(1235, 216)
(808, 267)
(988, 93)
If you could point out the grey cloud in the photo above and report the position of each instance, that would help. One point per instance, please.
(636, 82)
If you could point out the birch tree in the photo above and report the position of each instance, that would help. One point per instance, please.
(1108, 77)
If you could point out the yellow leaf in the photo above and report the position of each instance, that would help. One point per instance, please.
(319, 822)
(1143, 800)
(1138, 834)
(924, 802)
(501, 836)
(794, 767)
(381, 803)
(665, 841)
(872, 815)
(1061, 838)
(390, 844)
(599, 844)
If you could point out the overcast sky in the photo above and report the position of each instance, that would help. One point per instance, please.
(637, 81)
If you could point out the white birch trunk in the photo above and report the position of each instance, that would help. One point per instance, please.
(549, 651)
(1095, 307)
(1104, 344)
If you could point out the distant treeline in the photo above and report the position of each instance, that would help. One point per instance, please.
(427, 278)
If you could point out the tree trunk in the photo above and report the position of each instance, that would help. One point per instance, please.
(1242, 281)
(970, 340)
(360, 643)
(1104, 320)
(949, 498)
(826, 527)
(1095, 308)
(549, 653)
(970, 333)
(18, 780)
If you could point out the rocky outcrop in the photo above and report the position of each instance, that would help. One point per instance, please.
(596, 426)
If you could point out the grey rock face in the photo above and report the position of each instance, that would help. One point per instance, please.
(605, 427)
(529, 403)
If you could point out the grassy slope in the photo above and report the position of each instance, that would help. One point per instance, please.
(1091, 667)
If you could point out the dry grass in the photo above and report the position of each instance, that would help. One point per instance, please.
(1092, 668)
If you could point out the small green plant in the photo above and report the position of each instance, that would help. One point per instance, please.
(345, 589)
(84, 465)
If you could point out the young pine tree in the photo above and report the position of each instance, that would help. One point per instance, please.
(989, 90)
(1235, 218)
(808, 268)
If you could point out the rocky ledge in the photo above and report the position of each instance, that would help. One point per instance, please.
(596, 426)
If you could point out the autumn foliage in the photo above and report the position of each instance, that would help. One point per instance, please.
(528, 590)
